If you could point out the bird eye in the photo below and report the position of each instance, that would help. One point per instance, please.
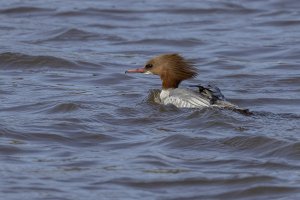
(148, 66)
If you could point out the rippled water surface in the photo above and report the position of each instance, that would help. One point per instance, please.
(74, 126)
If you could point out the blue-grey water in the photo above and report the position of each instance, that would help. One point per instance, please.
(74, 126)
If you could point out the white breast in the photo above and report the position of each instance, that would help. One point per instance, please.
(183, 98)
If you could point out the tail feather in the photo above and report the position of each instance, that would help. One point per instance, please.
(229, 106)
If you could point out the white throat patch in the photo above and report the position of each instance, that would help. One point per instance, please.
(148, 72)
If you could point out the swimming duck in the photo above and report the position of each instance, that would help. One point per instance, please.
(172, 70)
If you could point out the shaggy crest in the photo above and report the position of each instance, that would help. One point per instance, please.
(172, 69)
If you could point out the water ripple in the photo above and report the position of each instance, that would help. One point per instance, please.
(10, 60)
(72, 124)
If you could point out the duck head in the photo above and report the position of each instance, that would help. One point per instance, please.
(171, 68)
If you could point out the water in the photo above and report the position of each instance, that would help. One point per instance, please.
(74, 126)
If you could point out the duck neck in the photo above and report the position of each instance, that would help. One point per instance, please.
(168, 83)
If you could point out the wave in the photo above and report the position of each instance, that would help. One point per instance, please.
(188, 42)
(229, 8)
(24, 9)
(263, 146)
(280, 23)
(64, 107)
(12, 60)
(74, 34)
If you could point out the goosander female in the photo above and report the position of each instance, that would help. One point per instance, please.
(173, 69)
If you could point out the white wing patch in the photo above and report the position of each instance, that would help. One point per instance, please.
(183, 98)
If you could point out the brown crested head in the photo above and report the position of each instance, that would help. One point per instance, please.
(172, 69)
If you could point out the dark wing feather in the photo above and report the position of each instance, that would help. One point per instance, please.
(211, 92)
(214, 95)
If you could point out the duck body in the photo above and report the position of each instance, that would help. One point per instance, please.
(205, 96)
(183, 98)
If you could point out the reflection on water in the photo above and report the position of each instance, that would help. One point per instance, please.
(73, 125)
